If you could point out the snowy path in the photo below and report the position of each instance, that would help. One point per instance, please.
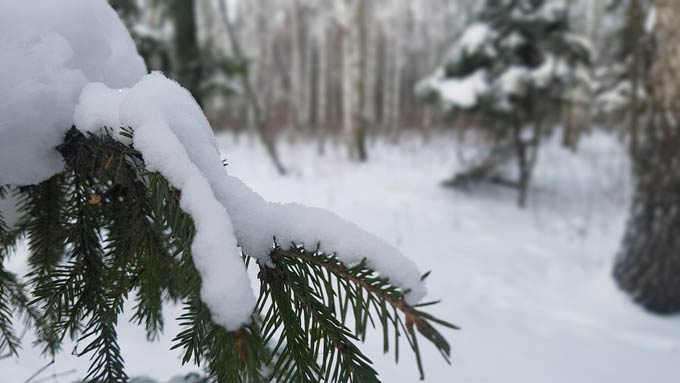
(531, 289)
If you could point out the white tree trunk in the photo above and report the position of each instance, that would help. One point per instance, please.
(296, 86)
(352, 85)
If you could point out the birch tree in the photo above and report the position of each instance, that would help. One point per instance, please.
(353, 23)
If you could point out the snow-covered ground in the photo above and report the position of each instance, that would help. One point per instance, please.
(530, 288)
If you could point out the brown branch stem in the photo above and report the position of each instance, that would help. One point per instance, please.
(343, 272)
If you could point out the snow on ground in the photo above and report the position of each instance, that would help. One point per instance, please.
(530, 288)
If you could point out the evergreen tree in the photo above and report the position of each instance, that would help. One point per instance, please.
(511, 68)
(648, 264)
(107, 229)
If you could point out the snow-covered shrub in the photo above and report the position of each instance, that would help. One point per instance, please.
(514, 67)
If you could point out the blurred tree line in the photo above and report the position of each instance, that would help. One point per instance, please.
(333, 70)
(344, 71)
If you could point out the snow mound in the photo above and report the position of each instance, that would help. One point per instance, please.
(49, 51)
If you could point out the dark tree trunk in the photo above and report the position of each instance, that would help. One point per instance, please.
(524, 173)
(527, 156)
(186, 51)
(648, 265)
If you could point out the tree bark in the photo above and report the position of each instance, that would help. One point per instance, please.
(526, 152)
(322, 92)
(648, 265)
(635, 15)
(185, 47)
(353, 58)
(296, 59)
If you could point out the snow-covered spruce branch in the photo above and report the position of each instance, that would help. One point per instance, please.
(150, 211)
(123, 230)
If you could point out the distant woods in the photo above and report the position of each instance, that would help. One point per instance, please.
(346, 71)
(338, 69)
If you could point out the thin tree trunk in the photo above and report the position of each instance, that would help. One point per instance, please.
(260, 121)
(296, 86)
(522, 155)
(527, 156)
(648, 265)
(322, 92)
(354, 126)
(370, 53)
(396, 79)
(185, 47)
(635, 15)
(597, 9)
(308, 85)
(389, 67)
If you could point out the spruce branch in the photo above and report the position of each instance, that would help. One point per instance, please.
(322, 284)
(8, 339)
(107, 228)
(8, 236)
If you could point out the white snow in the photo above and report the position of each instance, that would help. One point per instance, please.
(474, 37)
(551, 69)
(513, 40)
(513, 80)
(176, 140)
(456, 92)
(49, 50)
(477, 38)
(517, 78)
(99, 107)
(465, 92)
(651, 19)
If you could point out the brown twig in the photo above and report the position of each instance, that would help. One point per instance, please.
(343, 272)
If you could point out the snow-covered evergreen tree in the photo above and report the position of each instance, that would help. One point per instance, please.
(113, 177)
(512, 67)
